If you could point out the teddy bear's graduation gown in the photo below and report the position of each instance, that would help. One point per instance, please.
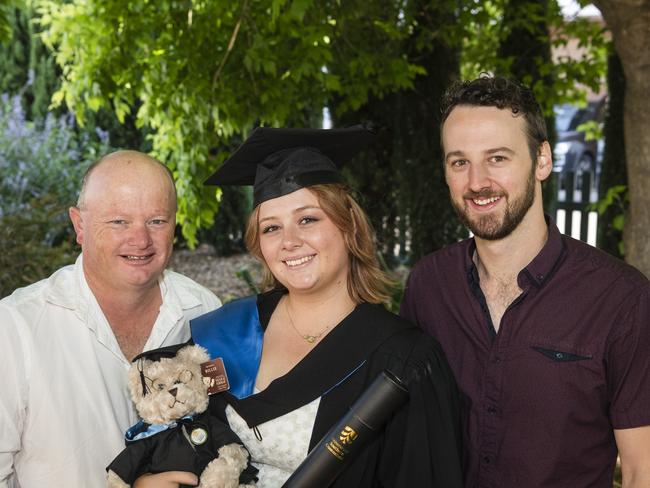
(186, 445)
(420, 446)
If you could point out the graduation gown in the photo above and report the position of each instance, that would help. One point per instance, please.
(420, 445)
(189, 445)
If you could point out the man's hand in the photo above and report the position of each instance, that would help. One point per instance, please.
(169, 479)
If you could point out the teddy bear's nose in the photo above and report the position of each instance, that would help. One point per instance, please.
(173, 391)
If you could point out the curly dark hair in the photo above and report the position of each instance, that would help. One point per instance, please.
(499, 92)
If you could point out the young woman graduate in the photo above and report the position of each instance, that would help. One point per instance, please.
(300, 354)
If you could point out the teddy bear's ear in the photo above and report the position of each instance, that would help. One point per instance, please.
(137, 384)
(194, 354)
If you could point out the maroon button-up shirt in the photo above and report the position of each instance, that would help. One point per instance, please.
(570, 362)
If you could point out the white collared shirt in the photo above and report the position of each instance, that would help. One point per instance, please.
(64, 400)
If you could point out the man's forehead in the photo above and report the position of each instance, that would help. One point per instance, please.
(118, 194)
(482, 127)
(477, 114)
(128, 176)
(118, 169)
(114, 207)
(129, 194)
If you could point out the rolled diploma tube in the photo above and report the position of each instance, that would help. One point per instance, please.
(349, 436)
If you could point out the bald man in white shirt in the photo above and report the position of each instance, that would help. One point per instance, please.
(67, 341)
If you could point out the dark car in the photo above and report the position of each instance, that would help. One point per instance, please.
(572, 153)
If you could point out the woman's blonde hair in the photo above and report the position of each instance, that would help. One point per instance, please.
(367, 282)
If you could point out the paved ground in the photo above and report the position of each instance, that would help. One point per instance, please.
(218, 273)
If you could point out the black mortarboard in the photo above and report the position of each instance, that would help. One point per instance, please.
(161, 352)
(156, 355)
(280, 161)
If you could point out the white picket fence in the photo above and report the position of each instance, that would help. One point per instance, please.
(574, 195)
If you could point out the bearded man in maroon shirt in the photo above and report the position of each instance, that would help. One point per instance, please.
(549, 338)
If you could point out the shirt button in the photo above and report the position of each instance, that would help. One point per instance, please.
(486, 460)
(496, 359)
(540, 277)
(492, 410)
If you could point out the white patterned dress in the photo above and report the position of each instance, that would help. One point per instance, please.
(284, 444)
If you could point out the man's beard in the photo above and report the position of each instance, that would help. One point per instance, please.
(492, 227)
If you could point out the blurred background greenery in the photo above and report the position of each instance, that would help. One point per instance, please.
(187, 80)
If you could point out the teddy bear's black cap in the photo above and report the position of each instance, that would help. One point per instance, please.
(156, 355)
(280, 161)
(161, 352)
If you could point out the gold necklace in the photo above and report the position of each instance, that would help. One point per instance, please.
(308, 337)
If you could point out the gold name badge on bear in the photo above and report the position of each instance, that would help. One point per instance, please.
(199, 436)
(214, 374)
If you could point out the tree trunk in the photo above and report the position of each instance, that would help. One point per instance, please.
(614, 169)
(629, 22)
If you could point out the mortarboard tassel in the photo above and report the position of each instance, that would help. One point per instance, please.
(145, 388)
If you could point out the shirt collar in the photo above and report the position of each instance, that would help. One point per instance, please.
(77, 296)
(74, 295)
(67, 290)
(142, 430)
(539, 269)
(71, 291)
(175, 302)
(176, 298)
(542, 267)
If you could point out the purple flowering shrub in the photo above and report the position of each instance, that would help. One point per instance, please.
(42, 163)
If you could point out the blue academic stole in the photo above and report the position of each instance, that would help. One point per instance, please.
(234, 333)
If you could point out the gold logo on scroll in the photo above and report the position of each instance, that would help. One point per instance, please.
(347, 435)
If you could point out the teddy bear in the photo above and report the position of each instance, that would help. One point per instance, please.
(176, 432)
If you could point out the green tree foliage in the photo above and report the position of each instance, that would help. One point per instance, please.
(25, 258)
(26, 67)
(227, 233)
(402, 179)
(513, 37)
(5, 25)
(199, 75)
(525, 48)
(41, 164)
(200, 72)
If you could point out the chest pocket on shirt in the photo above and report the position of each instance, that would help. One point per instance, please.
(561, 356)
(563, 381)
(563, 367)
